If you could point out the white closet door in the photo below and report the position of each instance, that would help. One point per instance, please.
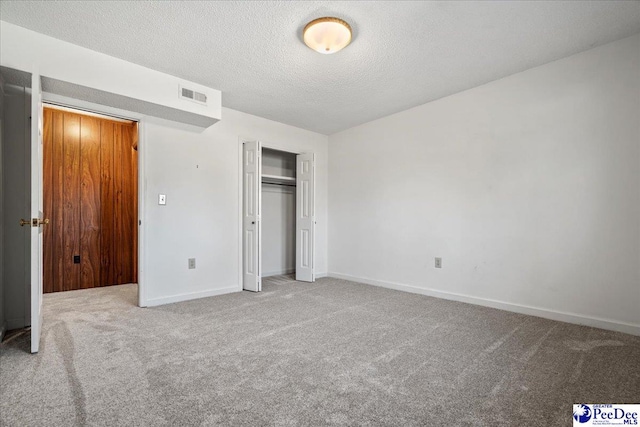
(37, 221)
(251, 209)
(305, 217)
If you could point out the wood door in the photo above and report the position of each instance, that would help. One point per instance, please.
(90, 196)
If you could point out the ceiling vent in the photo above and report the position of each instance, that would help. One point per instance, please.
(192, 95)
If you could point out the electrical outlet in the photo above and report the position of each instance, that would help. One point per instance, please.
(192, 263)
(162, 199)
(438, 262)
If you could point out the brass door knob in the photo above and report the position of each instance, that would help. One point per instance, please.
(35, 222)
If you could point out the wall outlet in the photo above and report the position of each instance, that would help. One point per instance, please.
(438, 262)
(192, 263)
(162, 199)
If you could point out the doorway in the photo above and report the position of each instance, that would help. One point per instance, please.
(278, 214)
(90, 190)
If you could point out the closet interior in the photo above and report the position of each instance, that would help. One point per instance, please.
(278, 212)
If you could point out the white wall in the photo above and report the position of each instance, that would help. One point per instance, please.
(200, 174)
(527, 187)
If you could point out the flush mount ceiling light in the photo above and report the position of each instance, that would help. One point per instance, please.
(327, 35)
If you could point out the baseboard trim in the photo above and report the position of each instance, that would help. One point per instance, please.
(190, 296)
(3, 329)
(596, 322)
(321, 275)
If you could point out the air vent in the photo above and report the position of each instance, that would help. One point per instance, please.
(192, 95)
(187, 93)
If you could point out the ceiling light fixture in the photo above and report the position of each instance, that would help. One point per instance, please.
(327, 35)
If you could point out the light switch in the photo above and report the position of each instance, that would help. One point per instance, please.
(162, 199)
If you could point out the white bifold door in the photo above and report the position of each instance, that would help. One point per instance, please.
(36, 222)
(252, 211)
(251, 207)
(305, 217)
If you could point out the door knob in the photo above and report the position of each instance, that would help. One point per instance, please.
(35, 222)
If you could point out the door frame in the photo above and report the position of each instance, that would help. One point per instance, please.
(50, 98)
(287, 148)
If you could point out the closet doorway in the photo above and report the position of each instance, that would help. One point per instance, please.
(278, 214)
(90, 178)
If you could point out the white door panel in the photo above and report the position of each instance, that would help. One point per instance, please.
(305, 217)
(251, 207)
(36, 212)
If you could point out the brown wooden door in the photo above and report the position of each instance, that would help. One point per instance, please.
(90, 197)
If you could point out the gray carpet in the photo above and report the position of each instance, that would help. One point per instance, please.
(328, 353)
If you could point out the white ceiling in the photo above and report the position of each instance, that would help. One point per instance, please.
(403, 53)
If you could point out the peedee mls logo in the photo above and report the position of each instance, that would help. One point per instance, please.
(605, 415)
(581, 413)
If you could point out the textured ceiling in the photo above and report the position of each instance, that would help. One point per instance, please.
(403, 53)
